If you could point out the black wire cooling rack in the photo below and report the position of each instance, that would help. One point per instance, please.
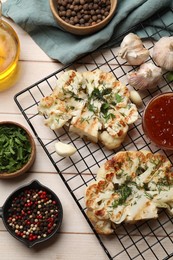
(147, 240)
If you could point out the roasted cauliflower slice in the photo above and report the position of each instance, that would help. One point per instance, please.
(92, 104)
(131, 186)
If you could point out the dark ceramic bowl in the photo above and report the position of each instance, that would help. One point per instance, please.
(4, 212)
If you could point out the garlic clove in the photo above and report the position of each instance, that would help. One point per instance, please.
(163, 53)
(136, 98)
(64, 150)
(146, 77)
(132, 50)
(137, 57)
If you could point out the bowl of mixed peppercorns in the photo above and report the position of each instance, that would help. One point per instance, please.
(32, 214)
(18, 149)
(82, 17)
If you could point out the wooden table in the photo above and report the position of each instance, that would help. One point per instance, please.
(76, 239)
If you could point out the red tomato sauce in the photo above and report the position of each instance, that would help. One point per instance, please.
(158, 121)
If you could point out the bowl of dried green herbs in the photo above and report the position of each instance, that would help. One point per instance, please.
(18, 149)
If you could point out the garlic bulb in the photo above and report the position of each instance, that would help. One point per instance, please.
(163, 53)
(132, 50)
(147, 76)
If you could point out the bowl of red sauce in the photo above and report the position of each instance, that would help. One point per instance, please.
(157, 120)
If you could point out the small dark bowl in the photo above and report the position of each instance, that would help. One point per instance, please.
(4, 213)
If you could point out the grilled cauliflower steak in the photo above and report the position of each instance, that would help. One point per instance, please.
(92, 104)
(131, 186)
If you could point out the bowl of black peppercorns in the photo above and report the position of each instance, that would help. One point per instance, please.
(83, 17)
(32, 214)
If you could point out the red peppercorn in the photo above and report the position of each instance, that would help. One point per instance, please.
(49, 225)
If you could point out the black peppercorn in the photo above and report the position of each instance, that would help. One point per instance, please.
(83, 12)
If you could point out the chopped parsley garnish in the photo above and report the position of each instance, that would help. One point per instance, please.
(72, 94)
(98, 94)
(118, 98)
(148, 195)
(85, 119)
(107, 117)
(106, 91)
(163, 184)
(76, 97)
(124, 192)
(104, 108)
(92, 108)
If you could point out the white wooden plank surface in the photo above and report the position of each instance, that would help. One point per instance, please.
(76, 240)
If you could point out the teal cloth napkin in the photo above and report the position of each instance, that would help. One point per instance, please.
(35, 17)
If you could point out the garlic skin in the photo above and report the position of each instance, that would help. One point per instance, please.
(132, 50)
(163, 53)
(146, 77)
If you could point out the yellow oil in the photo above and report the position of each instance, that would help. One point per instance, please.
(9, 54)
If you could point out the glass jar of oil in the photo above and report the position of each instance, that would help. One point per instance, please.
(9, 52)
